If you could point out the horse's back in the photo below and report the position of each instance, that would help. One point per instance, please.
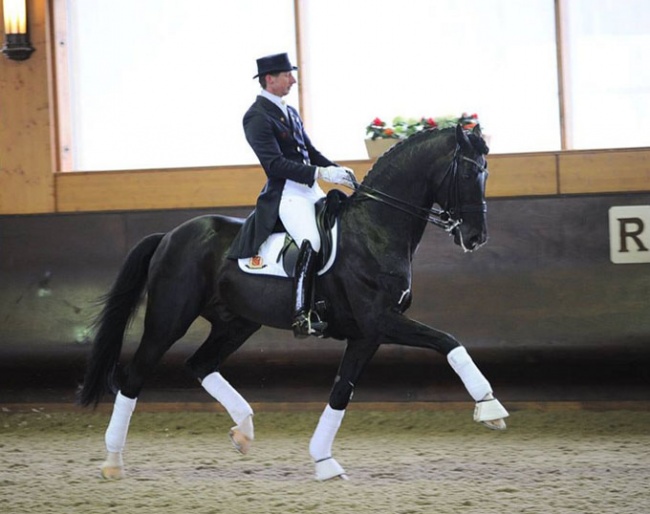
(202, 239)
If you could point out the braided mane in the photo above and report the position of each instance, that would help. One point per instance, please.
(400, 145)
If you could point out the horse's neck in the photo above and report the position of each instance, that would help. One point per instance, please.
(413, 175)
(393, 231)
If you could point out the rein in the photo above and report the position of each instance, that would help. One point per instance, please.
(440, 218)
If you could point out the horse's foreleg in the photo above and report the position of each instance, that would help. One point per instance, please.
(115, 437)
(399, 329)
(320, 446)
(488, 410)
(355, 358)
(242, 434)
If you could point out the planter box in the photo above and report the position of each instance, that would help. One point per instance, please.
(377, 147)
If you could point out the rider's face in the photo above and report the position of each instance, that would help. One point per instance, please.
(280, 84)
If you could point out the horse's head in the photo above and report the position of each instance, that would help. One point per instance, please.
(466, 192)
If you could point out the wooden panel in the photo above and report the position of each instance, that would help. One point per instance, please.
(158, 189)
(522, 175)
(26, 182)
(604, 171)
(511, 175)
(164, 189)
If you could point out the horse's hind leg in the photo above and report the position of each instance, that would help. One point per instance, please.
(166, 321)
(225, 338)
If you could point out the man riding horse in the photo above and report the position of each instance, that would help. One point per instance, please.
(185, 273)
(292, 165)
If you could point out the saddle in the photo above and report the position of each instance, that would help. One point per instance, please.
(278, 254)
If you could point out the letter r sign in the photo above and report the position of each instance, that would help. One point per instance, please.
(629, 234)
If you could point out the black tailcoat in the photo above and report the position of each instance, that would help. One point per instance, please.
(285, 152)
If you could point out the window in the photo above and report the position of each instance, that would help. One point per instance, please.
(164, 84)
(607, 52)
(422, 58)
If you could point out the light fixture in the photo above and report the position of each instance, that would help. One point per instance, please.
(17, 45)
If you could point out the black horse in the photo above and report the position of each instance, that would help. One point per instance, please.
(186, 274)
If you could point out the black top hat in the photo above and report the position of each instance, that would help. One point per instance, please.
(273, 64)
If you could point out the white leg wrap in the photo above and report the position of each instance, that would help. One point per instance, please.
(320, 446)
(489, 410)
(329, 468)
(475, 383)
(118, 427)
(219, 388)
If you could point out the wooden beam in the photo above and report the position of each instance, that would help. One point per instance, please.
(604, 171)
(159, 189)
(522, 175)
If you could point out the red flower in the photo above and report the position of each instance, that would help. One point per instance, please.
(378, 122)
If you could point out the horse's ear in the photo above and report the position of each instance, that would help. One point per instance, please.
(476, 138)
(462, 139)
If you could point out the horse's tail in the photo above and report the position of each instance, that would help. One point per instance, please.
(119, 306)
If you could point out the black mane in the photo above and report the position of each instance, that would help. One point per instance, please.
(385, 160)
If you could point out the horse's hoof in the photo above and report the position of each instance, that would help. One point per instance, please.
(328, 469)
(241, 443)
(491, 413)
(113, 467)
(495, 424)
(112, 472)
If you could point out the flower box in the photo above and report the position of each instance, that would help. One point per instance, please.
(382, 135)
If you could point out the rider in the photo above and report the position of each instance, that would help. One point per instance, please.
(292, 164)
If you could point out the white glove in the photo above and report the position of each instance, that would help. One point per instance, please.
(337, 175)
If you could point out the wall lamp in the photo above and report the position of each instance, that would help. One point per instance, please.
(17, 46)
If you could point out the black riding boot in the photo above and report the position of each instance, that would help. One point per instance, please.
(303, 282)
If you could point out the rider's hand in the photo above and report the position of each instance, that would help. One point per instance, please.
(351, 176)
(337, 175)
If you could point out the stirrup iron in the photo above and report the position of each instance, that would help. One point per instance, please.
(303, 326)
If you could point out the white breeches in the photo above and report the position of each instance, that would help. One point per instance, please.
(298, 214)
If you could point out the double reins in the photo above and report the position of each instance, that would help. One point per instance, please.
(444, 219)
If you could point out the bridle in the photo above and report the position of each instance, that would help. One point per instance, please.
(447, 219)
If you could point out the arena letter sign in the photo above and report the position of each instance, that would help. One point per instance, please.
(629, 234)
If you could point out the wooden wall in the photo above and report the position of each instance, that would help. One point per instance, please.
(30, 182)
(26, 168)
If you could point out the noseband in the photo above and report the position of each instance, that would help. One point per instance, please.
(447, 219)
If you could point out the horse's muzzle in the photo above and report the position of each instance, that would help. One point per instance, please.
(469, 240)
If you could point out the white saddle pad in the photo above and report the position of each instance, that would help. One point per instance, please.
(266, 261)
